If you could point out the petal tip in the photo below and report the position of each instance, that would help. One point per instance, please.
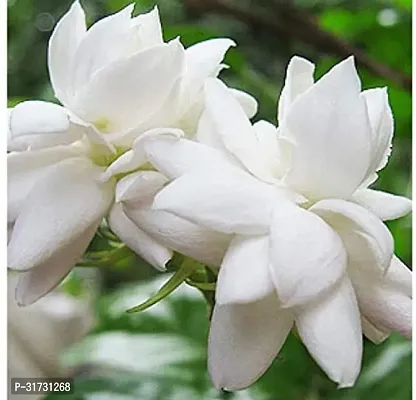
(346, 385)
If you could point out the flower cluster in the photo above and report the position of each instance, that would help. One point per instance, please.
(150, 140)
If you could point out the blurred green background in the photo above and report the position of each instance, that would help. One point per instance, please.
(160, 353)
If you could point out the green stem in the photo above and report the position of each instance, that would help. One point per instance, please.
(186, 269)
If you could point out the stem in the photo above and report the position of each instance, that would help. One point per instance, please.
(210, 295)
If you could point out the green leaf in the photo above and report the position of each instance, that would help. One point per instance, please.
(347, 23)
(138, 353)
(106, 258)
(405, 4)
(186, 269)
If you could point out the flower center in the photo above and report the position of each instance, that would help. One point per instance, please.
(104, 158)
(103, 124)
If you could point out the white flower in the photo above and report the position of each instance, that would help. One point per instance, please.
(56, 201)
(133, 219)
(309, 247)
(117, 80)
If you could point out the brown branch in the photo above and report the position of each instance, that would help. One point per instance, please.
(294, 23)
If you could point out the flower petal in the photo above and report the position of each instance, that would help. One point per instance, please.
(128, 91)
(386, 206)
(331, 331)
(38, 117)
(244, 339)
(371, 332)
(400, 276)
(136, 157)
(26, 169)
(307, 256)
(63, 43)
(244, 274)
(105, 42)
(149, 29)
(137, 240)
(57, 210)
(163, 115)
(36, 283)
(228, 201)
(206, 134)
(247, 102)
(273, 148)
(141, 184)
(202, 61)
(299, 78)
(330, 126)
(385, 301)
(180, 235)
(233, 126)
(174, 156)
(382, 126)
(346, 217)
(128, 161)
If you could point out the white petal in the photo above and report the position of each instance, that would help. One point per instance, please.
(274, 149)
(204, 57)
(129, 91)
(163, 115)
(100, 143)
(180, 235)
(244, 274)
(329, 125)
(207, 134)
(234, 128)
(57, 210)
(299, 78)
(307, 256)
(128, 161)
(43, 141)
(400, 276)
(247, 102)
(228, 201)
(346, 217)
(331, 330)
(63, 43)
(386, 206)
(244, 339)
(382, 126)
(141, 184)
(34, 284)
(371, 332)
(384, 301)
(25, 170)
(149, 29)
(202, 61)
(137, 240)
(136, 157)
(38, 117)
(174, 156)
(105, 42)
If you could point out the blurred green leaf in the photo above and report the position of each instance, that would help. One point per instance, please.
(347, 23)
(179, 277)
(405, 4)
